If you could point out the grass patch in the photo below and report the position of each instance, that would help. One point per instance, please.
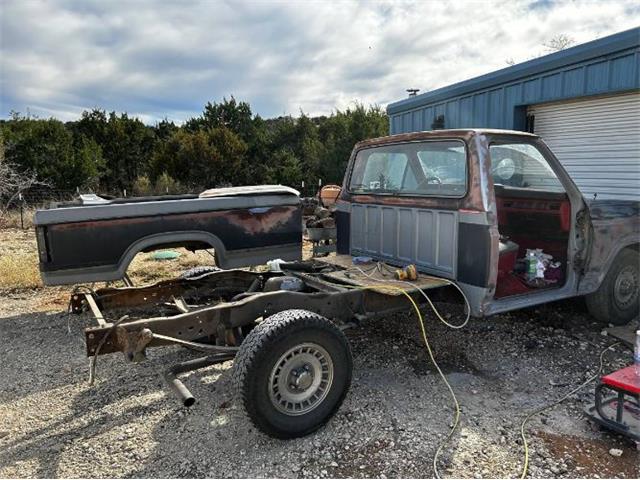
(11, 219)
(19, 271)
(18, 260)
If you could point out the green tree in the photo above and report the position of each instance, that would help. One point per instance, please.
(286, 169)
(45, 147)
(202, 158)
(226, 145)
(126, 145)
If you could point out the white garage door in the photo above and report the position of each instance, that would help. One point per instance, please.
(597, 141)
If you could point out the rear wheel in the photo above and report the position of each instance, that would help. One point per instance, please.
(617, 299)
(292, 372)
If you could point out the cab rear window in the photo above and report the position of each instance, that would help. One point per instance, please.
(434, 168)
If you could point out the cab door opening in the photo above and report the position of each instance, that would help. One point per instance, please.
(534, 220)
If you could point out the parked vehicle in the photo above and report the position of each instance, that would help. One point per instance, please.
(469, 204)
(491, 211)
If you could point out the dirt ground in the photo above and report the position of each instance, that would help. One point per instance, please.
(396, 414)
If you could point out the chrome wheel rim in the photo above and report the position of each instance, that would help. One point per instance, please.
(626, 287)
(301, 379)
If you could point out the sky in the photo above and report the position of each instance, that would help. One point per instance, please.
(166, 59)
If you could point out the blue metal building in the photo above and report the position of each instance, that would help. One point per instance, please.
(584, 101)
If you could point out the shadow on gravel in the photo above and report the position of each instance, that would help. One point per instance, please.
(500, 368)
(40, 352)
(45, 369)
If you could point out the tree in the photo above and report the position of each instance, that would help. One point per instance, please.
(45, 148)
(125, 143)
(226, 145)
(286, 169)
(204, 158)
(342, 130)
(554, 44)
(13, 183)
(559, 42)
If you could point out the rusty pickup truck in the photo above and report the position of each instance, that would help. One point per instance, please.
(478, 207)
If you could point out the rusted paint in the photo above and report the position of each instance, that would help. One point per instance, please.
(109, 239)
(615, 224)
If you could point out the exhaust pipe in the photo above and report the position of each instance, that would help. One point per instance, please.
(179, 388)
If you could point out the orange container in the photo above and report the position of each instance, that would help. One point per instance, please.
(329, 194)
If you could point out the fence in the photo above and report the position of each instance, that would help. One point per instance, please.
(22, 206)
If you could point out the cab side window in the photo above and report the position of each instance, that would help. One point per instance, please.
(522, 165)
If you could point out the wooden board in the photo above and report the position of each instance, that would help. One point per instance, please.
(376, 278)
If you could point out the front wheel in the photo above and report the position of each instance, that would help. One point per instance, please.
(292, 373)
(617, 299)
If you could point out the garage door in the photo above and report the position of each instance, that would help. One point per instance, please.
(597, 141)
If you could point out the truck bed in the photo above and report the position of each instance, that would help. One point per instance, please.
(97, 240)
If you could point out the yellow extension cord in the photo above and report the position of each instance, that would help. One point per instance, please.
(456, 421)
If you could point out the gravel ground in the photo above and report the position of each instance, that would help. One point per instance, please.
(396, 414)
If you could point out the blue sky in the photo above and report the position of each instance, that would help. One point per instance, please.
(157, 59)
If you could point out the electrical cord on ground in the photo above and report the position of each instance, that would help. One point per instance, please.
(456, 421)
(530, 415)
(423, 331)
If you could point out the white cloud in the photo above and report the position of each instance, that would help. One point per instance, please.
(166, 59)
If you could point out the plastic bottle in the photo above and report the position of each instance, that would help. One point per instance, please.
(532, 263)
(636, 353)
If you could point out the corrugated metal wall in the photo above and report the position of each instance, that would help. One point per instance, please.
(504, 106)
(597, 141)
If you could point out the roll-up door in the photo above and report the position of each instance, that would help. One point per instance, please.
(598, 142)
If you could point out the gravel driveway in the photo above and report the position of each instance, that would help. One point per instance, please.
(397, 412)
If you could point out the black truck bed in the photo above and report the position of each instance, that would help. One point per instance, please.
(97, 240)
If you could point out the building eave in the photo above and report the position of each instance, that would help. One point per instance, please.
(580, 53)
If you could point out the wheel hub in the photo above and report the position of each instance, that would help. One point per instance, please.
(626, 287)
(301, 379)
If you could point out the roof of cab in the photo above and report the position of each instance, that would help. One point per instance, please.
(462, 133)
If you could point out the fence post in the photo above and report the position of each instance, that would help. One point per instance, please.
(21, 200)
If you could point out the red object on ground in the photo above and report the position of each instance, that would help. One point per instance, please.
(625, 379)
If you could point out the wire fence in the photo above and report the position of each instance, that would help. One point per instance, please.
(19, 210)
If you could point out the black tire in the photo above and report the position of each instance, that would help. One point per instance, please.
(196, 272)
(617, 299)
(261, 357)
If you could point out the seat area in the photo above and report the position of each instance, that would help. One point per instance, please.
(530, 219)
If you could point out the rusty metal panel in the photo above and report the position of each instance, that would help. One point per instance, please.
(400, 235)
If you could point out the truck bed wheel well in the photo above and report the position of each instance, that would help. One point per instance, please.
(172, 239)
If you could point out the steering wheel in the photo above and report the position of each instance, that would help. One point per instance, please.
(431, 180)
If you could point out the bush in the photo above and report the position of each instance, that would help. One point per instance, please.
(142, 186)
(166, 185)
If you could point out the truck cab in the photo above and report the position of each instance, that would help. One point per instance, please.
(494, 211)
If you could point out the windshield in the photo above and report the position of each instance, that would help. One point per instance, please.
(425, 168)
